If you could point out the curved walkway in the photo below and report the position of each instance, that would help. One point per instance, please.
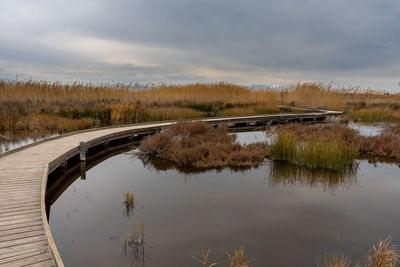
(25, 237)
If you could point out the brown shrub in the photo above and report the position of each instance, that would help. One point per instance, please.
(199, 145)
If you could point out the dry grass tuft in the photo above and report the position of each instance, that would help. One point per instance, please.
(336, 260)
(239, 258)
(383, 254)
(134, 240)
(204, 259)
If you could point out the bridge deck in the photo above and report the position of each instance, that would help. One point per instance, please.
(25, 238)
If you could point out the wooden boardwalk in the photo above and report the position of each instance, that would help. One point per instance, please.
(25, 237)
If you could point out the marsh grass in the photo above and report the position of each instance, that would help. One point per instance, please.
(383, 254)
(239, 258)
(374, 114)
(336, 259)
(314, 152)
(44, 107)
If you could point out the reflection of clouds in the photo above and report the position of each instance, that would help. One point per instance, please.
(286, 174)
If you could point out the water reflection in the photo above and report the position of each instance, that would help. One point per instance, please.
(18, 140)
(165, 165)
(282, 173)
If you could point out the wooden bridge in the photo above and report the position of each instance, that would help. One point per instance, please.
(25, 237)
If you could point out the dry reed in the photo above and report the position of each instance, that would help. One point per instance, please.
(239, 258)
(383, 254)
(44, 107)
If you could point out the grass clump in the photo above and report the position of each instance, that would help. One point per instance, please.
(336, 260)
(134, 244)
(204, 259)
(239, 258)
(313, 152)
(199, 145)
(236, 258)
(372, 115)
(383, 254)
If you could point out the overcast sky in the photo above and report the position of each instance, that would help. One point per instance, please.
(243, 41)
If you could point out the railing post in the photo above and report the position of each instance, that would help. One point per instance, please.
(82, 151)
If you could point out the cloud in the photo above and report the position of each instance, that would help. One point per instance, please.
(249, 41)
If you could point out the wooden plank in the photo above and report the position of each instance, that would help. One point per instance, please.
(25, 206)
(8, 223)
(29, 261)
(27, 254)
(16, 236)
(24, 251)
(19, 212)
(14, 217)
(46, 263)
(21, 225)
(23, 247)
(22, 241)
(21, 230)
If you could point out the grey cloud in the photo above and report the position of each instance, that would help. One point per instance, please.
(303, 39)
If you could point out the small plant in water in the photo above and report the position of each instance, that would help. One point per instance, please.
(134, 242)
(203, 260)
(129, 202)
(383, 254)
(238, 258)
(336, 259)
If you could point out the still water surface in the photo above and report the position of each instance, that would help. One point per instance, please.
(284, 216)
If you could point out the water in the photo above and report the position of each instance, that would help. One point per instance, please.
(252, 137)
(284, 216)
(9, 144)
(367, 129)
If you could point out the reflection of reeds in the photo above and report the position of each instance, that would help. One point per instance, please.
(282, 173)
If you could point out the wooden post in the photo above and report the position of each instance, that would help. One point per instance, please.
(82, 151)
